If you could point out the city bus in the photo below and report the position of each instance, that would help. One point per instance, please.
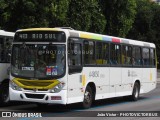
(65, 66)
(6, 39)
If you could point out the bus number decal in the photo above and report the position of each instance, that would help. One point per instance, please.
(94, 74)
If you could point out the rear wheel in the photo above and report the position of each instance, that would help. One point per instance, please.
(88, 98)
(4, 94)
(135, 93)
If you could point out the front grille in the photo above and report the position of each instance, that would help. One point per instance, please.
(35, 83)
(35, 96)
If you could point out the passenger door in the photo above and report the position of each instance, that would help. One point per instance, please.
(126, 69)
(75, 71)
(115, 69)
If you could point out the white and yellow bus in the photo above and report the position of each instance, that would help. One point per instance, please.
(6, 39)
(64, 66)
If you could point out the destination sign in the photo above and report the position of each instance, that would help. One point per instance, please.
(40, 36)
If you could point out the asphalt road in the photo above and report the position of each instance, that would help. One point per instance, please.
(147, 102)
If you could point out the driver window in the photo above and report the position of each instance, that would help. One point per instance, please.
(75, 54)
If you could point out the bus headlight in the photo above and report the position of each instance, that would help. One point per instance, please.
(14, 86)
(57, 88)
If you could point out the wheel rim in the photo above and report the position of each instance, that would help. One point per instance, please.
(87, 97)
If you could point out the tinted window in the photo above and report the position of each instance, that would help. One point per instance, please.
(152, 57)
(102, 53)
(99, 54)
(146, 60)
(5, 49)
(115, 56)
(126, 55)
(75, 54)
(136, 59)
(89, 55)
(106, 53)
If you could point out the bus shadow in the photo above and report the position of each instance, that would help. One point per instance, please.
(12, 104)
(77, 107)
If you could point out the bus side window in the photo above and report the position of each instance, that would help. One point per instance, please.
(137, 56)
(146, 56)
(105, 53)
(88, 53)
(152, 57)
(8, 48)
(99, 53)
(115, 55)
(74, 54)
(2, 50)
(5, 48)
(126, 55)
(102, 53)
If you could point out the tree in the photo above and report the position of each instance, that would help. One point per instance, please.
(57, 15)
(142, 25)
(120, 15)
(147, 22)
(18, 14)
(86, 16)
(156, 29)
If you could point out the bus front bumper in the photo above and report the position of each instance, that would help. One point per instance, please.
(38, 97)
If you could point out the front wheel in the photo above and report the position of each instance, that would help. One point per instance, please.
(88, 98)
(135, 93)
(4, 94)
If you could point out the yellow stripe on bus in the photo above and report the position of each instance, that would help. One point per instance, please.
(83, 35)
(35, 84)
(83, 80)
(41, 29)
(150, 76)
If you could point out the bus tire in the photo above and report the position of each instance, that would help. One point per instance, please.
(4, 94)
(88, 98)
(135, 93)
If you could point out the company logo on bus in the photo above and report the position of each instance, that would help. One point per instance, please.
(34, 90)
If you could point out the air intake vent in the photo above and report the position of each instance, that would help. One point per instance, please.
(36, 83)
(35, 96)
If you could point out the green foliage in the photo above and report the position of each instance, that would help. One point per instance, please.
(18, 14)
(86, 15)
(147, 22)
(120, 15)
(57, 13)
(143, 22)
(79, 14)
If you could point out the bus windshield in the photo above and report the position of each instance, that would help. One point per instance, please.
(38, 61)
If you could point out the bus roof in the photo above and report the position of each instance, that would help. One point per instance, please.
(5, 33)
(98, 37)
